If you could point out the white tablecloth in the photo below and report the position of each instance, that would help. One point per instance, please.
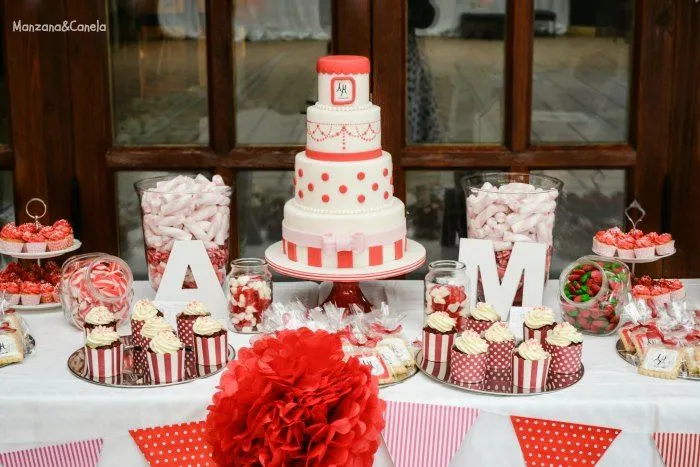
(41, 402)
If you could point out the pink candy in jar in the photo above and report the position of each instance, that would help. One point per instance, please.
(446, 286)
(184, 208)
(249, 293)
(95, 279)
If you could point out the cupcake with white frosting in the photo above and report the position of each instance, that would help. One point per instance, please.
(501, 344)
(438, 336)
(104, 352)
(565, 344)
(143, 311)
(531, 366)
(482, 317)
(100, 316)
(185, 320)
(153, 326)
(166, 358)
(210, 342)
(468, 358)
(538, 322)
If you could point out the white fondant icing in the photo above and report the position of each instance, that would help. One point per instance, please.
(319, 223)
(370, 179)
(336, 132)
(325, 89)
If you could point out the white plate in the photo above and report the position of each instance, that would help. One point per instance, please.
(634, 260)
(47, 254)
(413, 258)
(39, 307)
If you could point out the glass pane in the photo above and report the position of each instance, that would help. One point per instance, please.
(261, 199)
(581, 72)
(591, 200)
(131, 246)
(454, 71)
(159, 77)
(276, 47)
(4, 107)
(7, 207)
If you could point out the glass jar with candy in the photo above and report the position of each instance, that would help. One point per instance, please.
(446, 291)
(249, 293)
(593, 292)
(95, 279)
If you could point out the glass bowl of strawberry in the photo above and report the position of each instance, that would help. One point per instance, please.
(592, 294)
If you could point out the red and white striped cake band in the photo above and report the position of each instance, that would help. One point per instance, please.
(500, 355)
(211, 351)
(184, 330)
(436, 347)
(530, 374)
(104, 362)
(467, 368)
(137, 339)
(538, 334)
(375, 255)
(565, 359)
(166, 368)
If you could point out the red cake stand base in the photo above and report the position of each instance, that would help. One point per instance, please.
(346, 288)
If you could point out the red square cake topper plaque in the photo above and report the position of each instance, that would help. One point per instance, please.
(343, 90)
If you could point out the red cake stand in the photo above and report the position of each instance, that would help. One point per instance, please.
(346, 281)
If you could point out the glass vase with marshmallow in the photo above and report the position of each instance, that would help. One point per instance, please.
(508, 208)
(184, 207)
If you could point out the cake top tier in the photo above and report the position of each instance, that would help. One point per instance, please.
(343, 82)
(343, 64)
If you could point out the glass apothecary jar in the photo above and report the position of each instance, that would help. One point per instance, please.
(592, 294)
(95, 279)
(446, 290)
(249, 293)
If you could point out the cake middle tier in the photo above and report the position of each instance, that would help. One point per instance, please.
(343, 187)
(344, 240)
(336, 134)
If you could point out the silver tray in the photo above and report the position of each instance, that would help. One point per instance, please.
(631, 358)
(133, 379)
(498, 382)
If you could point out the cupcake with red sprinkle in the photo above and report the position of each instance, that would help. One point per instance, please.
(47, 293)
(625, 247)
(644, 248)
(604, 243)
(34, 242)
(11, 290)
(30, 293)
(60, 235)
(11, 238)
(665, 244)
(676, 287)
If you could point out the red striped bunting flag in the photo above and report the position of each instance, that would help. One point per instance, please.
(678, 449)
(76, 454)
(425, 435)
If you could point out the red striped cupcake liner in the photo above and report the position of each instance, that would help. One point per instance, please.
(530, 374)
(104, 363)
(467, 368)
(565, 359)
(184, 330)
(500, 355)
(539, 334)
(166, 368)
(211, 351)
(477, 325)
(436, 347)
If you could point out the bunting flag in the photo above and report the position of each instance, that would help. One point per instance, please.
(407, 424)
(174, 445)
(678, 449)
(545, 442)
(76, 454)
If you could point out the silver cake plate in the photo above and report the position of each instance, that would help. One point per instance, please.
(130, 378)
(631, 358)
(497, 382)
(54, 306)
(44, 255)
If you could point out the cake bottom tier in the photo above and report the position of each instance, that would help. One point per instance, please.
(344, 240)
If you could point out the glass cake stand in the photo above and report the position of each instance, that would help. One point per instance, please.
(346, 281)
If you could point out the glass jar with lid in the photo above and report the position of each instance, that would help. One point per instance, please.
(249, 293)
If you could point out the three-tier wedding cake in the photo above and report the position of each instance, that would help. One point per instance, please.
(343, 214)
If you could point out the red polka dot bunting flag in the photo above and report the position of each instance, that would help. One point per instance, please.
(550, 442)
(678, 449)
(183, 444)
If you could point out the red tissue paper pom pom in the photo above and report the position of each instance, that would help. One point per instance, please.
(292, 400)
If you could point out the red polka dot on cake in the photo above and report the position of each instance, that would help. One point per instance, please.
(301, 194)
(361, 176)
(361, 198)
(300, 172)
(325, 198)
(325, 177)
(386, 195)
(375, 186)
(385, 172)
(295, 181)
(310, 186)
(343, 189)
